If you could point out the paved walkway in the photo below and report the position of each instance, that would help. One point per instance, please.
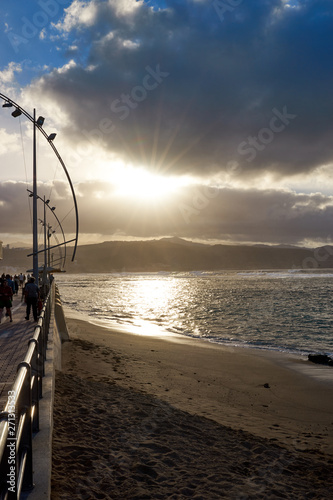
(14, 339)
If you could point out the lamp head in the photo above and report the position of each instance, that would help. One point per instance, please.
(16, 113)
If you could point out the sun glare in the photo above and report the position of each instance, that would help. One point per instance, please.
(138, 183)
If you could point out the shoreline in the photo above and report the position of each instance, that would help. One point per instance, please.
(140, 417)
(296, 360)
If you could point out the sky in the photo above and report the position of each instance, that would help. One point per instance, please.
(209, 120)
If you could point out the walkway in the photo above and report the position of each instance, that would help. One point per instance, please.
(14, 339)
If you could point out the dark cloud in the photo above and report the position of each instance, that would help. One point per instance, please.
(205, 213)
(196, 212)
(17, 210)
(187, 89)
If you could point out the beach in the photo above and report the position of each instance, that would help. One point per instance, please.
(143, 417)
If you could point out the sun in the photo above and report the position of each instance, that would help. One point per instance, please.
(140, 184)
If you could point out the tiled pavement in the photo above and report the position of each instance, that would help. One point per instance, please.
(14, 339)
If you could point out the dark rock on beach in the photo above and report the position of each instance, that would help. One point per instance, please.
(321, 359)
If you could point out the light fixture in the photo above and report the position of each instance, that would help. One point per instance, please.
(51, 137)
(47, 202)
(7, 105)
(53, 208)
(40, 121)
(16, 113)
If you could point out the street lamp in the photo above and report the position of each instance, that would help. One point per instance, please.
(52, 209)
(37, 124)
(48, 233)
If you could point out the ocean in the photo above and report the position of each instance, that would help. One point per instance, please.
(288, 311)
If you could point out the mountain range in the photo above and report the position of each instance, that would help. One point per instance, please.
(176, 254)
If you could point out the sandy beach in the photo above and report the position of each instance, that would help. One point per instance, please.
(137, 417)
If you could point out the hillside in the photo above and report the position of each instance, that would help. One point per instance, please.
(15, 260)
(169, 255)
(172, 254)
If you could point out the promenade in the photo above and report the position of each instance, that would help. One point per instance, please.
(14, 339)
(14, 346)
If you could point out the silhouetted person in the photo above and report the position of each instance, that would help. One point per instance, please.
(31, 292)
(22, 280)
(6, 295)
(10, 282)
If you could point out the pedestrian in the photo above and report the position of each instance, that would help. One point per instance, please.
(17, 284)
(6, 295)
(31, 292)
(22, 280)
(10, 282)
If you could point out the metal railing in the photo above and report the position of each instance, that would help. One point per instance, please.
(20, 418)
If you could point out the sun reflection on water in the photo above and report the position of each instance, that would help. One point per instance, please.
(150, 300)
(254, 309)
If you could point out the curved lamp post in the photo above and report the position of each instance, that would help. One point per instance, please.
(38, 124)
(48, 232)
(52, 209)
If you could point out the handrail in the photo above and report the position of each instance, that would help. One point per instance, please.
(20, 418)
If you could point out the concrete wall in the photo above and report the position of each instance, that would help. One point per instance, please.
(60, 317)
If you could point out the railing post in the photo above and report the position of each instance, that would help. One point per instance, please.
(10, 461)
(41, 350)
(36, 381)
(24, 440)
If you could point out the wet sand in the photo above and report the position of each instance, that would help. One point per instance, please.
(139, 417)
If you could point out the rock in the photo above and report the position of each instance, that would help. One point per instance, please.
(321, 359)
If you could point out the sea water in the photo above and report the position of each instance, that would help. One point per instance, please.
(278, 310)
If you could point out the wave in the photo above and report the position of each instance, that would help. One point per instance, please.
(245, 308)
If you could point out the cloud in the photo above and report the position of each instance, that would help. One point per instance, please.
(200, 212)
(227, 80)
(195, 212)
(78, 14)
(17, 211)
(236, 97)
(8, 74)
(8, 142)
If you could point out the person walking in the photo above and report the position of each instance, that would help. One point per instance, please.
(22, 280)
(10, 282)
(31, 292)
(6, 295)
(16, 283)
